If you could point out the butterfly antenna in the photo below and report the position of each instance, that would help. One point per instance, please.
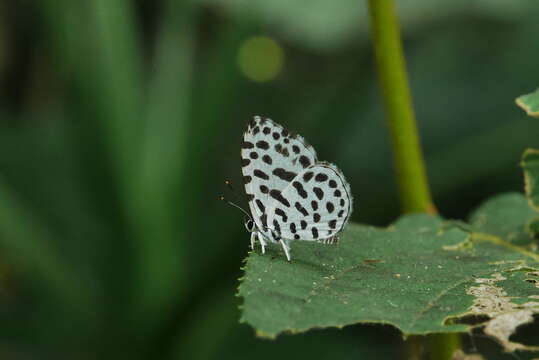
(231, 188)
(222, 198)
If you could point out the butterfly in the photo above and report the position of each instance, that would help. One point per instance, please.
(291, 195)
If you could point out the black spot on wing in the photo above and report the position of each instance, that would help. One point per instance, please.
(282, 150)
(337, 193)
(253, 155)
(260, 205)
(342, 202)
(333, 224)
(319, 193)
(340, 214)
(267, 159)
(276, 194)
(314, 205)
(284, 175)
(321, 177)
(284, 133)
(314, 230)
(245, 162)
(330, 207)
(295, 149)
(282, 214)
(256, 130)
(293, 229)
(299, 188)
(316, 217)
(264, 220)
(264, 189)
(247, 145)
(304, 161)
(250, 197)
(296, 236)
(301, 209)
(266, 130)
(286, 140)
(276, 226)
(261, 144)
(308, 176)
(276, 135)
(303, 224)
(332, 183)
(247, 179)
(259, 173)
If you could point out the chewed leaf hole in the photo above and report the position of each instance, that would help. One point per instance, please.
(527, 333)
(471, 319)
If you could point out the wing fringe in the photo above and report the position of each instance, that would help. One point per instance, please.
(330, 240)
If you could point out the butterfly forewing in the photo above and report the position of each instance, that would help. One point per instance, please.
(271, 158)
(320, 204)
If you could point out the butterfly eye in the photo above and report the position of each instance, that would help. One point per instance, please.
(249, 225)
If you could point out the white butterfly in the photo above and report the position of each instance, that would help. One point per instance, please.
(291, 195)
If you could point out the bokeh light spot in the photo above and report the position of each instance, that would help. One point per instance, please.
(261, 58)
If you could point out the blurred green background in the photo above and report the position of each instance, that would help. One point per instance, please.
(119, 121)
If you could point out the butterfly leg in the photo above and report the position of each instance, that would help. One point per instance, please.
(263, 242)
(253, 239)
(286, 249)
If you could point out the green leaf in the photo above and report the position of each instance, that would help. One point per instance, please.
(530, 164)
(530, 103)
(533, 229)
(327, 25)
(507, 216)
(421, 275)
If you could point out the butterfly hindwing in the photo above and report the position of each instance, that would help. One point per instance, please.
(271, 158)
(320, 205)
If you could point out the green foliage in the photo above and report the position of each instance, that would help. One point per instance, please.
(530, 103)
(506, 216)
(530, 164)
(325, 26)
(418, 275)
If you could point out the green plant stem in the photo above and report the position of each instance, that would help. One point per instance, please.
(443, 346)
(414, 348)
(408, 159)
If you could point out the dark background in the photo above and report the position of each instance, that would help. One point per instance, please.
(119, 121)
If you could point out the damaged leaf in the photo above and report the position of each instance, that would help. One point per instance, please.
(529, 103)
(505, 314)
(420, 275)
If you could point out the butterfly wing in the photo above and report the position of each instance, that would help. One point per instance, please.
(271, 158)
(320, 205)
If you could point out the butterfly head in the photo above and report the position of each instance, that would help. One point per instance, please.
(249, 224)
